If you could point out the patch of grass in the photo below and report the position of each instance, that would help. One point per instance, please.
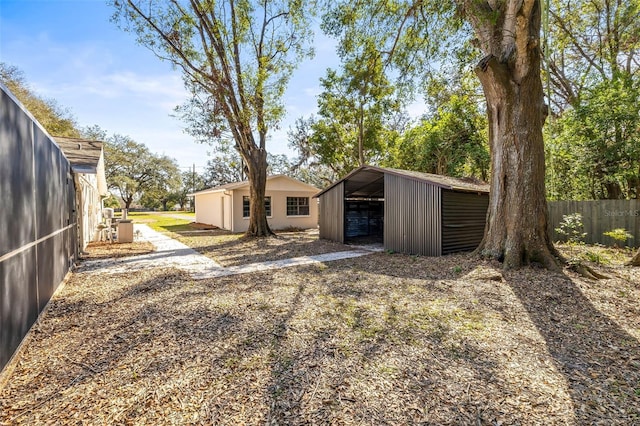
(162, 222)
(440, 320)
(594, 257)
(596, 254)
(153, 215)
(388, 370)
(232, 362)
(579, 326)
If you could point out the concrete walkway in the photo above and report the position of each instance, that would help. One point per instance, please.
(172, 253)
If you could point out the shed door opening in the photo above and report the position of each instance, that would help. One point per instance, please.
(364, 221)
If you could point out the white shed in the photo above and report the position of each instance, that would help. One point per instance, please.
(288, 201)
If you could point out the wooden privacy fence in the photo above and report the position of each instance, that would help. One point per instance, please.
(599, 217)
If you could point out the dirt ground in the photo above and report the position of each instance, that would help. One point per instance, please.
(384, 339)
(234, 249)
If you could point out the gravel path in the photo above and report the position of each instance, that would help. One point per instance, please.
(172, 253)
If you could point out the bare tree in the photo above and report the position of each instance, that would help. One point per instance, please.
(236, 57)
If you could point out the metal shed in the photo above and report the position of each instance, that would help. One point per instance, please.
(409, 212)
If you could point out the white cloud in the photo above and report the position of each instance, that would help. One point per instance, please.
(166, 90)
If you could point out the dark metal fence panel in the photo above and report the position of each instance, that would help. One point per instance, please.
(37, 220)
(598, 217)
(411, 216)
(19, 304)
(51, 172)
(16, 176)
(331, 218)
(464, 216)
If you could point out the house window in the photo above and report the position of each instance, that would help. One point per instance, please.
(297, 206)
(246, 210)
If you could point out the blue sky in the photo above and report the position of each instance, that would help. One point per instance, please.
(71, 52)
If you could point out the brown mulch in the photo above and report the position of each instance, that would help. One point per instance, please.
(106, 250)
(203, 226)
(235, 249)
(382, 339)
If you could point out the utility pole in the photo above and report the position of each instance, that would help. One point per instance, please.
(193, 188)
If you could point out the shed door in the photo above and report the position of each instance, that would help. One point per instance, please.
(463, 220)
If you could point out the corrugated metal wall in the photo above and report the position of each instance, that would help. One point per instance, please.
(332, 214)
(411, 216)
(37, 221)
(463, 220)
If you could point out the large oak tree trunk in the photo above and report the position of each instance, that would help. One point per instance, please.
(517, 223)
(517, 220)
(257, 171)
(635, 261)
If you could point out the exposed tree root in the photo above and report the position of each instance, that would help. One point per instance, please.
(552, 260)
(587, 271)
(546, 256)
(635, 261)
(251, 236)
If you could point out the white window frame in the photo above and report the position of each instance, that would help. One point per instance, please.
(298, 207)
(269, 216)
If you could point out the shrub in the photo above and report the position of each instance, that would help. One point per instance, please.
(572, 227)
(619, 234)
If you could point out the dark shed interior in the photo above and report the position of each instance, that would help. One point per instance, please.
(364, 221)
(364, 207)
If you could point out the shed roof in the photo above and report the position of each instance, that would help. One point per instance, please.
(368, 181)
(83, 154)
(245, 184)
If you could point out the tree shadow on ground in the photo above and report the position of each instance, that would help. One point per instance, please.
(363, 356)
(599, 360)
(156, 336)
(189, 229)
(597, 357)
(246, 250)
(355, 341)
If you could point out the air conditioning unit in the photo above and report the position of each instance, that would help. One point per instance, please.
(107, 213)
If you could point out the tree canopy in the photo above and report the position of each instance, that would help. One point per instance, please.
(594, 71)
(590, 42)
(57, 120)
(135, 172)
(451, 142)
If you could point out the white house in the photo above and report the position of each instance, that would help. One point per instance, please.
(87, 164)
(288, 201)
